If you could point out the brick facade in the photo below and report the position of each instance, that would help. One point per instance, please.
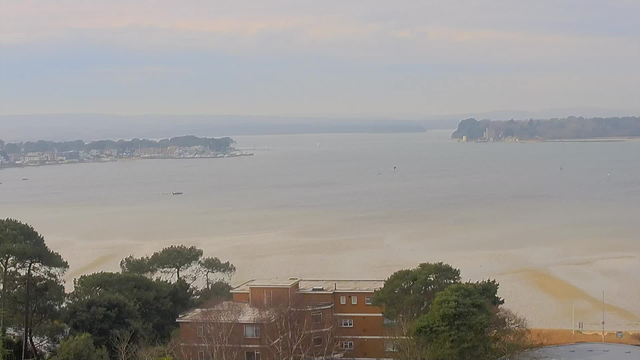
(271, 320)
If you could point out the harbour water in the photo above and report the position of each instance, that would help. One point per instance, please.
(332, 206)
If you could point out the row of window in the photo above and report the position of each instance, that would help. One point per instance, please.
(248, 355)
(389, 346)
(253, 331)
(368, 300)
(250, 331)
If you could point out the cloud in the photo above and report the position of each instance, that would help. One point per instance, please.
(330, 54)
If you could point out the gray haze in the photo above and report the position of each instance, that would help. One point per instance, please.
(58, 127)
(373, 57)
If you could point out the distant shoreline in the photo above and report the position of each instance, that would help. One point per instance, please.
(22, 166)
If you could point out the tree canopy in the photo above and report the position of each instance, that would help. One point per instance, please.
(157, 303)
(213, 265)
(24, 255)
(567, 128)
(213, 144)
(174, 259)
(80, 347)
(458, 324)
(101, 316)
(409, 293)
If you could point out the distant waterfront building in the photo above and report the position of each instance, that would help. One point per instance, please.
(328, 318)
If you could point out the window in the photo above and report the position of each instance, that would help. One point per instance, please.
(346, 345)
(252, 355)
(368, 300)
(200, 330)
(346, 323)
(201, 355)
(316, 317)
(354, 300)
(343, 300)
(252, 331)
(317, 341)
(390, 346)
(388, 321)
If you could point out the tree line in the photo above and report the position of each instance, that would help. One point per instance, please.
(212, 144)
(107, 315)
(566, 128)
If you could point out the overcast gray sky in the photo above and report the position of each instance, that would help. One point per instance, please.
(317, 57)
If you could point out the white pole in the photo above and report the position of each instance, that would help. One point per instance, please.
(573, 318)
(602, 316)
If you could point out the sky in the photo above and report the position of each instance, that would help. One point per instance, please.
(324, 57)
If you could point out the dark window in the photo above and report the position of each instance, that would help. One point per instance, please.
(252, 355)
(316, 317)
(252, 331)
(317, 341)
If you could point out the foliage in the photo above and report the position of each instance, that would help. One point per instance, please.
(138, 266)
(23, 252)
(213, 265)
(101, 316)
(174, 259)
(567, 128)
(157, 303)
(80, 347)
(215, 293)
(45, 309)
(465, 322)
(213, 144)
(458, 325)
(409, 293)
(511, 334)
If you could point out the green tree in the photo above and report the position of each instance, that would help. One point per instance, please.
(45, 309)
(102, 316)
(174, 260)
(139, 266)
(409, 293)
(28, 254)
(213, 266)
(10, 238)
(12, 148)
(458, 325)
(80, 347)
(157, 303)
(215, 293)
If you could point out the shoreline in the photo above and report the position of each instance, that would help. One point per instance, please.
(23, 166)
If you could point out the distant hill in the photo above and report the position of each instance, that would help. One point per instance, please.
(566, 128)
(65, 127)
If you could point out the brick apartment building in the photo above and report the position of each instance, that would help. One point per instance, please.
(289, 319)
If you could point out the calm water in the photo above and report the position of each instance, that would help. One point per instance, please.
(333, 206)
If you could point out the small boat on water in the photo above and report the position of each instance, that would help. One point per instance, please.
(25, 178)
(176, 193)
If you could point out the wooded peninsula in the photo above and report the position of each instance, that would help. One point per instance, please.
(43, 152)
(551, 129)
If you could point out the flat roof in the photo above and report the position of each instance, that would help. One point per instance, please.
(341, 285)
(308, 285)
(584, 351)
(227, 311)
